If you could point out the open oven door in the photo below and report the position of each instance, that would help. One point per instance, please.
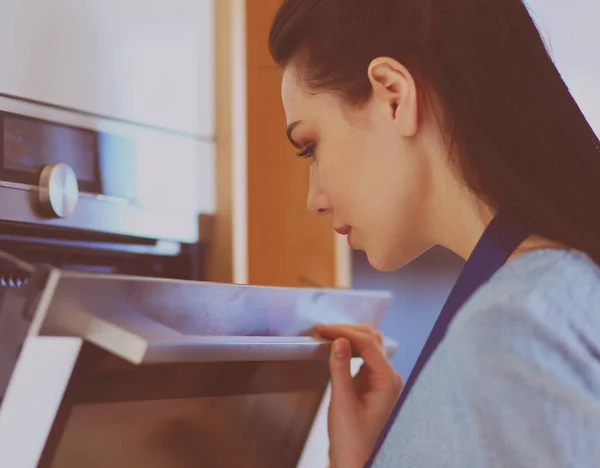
(102, 370)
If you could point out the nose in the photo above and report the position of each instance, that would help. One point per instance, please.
(317, 202)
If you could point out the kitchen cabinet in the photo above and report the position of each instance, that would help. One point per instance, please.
(144, 61)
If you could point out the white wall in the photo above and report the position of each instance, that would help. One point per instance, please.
(571, 31)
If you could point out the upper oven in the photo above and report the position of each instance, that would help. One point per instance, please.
(87, 192)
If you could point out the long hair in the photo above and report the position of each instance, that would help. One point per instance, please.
(524, 146)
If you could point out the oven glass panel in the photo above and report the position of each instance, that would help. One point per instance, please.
(177, 415)
(249, 431)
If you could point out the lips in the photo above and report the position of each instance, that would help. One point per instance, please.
(342, 230)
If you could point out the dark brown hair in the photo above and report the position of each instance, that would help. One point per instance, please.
(525, 147)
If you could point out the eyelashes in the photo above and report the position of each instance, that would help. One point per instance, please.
(307, 153)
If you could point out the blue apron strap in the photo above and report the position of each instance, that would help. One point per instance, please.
(497, 244)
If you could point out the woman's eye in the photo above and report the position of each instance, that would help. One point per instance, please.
(307, 153)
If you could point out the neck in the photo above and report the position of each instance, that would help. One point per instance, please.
(459, 230)
(458, 218)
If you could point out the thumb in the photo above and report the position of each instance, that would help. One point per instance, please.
(342, 383)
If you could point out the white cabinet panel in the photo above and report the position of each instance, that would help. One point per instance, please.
(146, 61)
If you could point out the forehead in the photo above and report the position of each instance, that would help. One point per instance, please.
(294, 96)
(300, 103)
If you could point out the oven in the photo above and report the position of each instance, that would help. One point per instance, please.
(83, 192)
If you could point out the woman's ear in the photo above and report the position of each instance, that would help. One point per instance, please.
(396, 90)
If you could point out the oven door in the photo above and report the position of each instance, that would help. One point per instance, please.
(160, 373)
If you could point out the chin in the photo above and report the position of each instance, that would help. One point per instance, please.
(388, 261)
(382, 262)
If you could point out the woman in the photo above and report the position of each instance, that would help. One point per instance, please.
(446, 122)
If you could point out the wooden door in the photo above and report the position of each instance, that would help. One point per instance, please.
(286, 246)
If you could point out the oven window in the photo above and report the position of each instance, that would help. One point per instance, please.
(177, 415)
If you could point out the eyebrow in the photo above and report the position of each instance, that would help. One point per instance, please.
(290, 129)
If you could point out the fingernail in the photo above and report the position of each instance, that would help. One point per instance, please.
(340, 349)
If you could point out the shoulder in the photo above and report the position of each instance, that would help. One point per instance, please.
(539, 313)
(550, 287)
(517, 376)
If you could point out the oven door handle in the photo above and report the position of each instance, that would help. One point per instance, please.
(135, 339)
(149, 320)
(243, 349)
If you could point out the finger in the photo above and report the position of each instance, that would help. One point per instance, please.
(363, 327)
(337, 330)
(367, 328)
(365, 344)
(343, 393)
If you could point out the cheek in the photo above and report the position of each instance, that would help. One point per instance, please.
(391, 185)
(337, 172)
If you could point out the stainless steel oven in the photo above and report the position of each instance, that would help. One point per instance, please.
(83, 192)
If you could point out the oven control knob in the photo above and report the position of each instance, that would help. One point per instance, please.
(58, 190)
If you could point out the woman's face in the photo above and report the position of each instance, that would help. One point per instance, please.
(372, 168)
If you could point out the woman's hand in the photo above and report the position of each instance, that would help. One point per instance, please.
(360, 406)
